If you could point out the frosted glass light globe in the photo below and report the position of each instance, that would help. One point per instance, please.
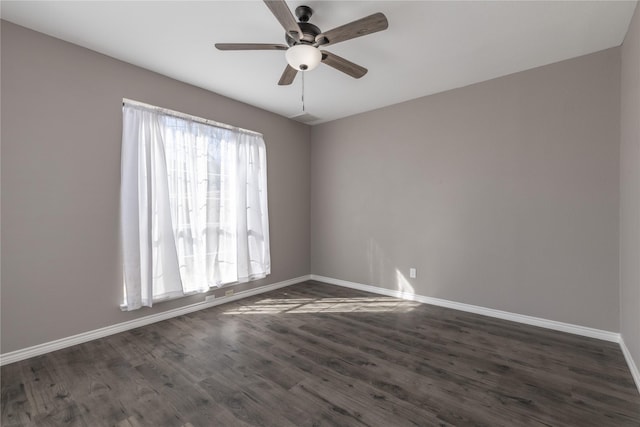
(303, 57)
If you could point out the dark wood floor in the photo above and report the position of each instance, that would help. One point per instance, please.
(316, 355)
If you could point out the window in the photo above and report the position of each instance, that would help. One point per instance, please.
(193, 205)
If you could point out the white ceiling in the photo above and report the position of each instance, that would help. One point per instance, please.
(429, 47)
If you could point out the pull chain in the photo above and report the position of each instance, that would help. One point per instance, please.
(303, 73)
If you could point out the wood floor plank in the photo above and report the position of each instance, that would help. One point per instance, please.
(319, 355)
(16, 407)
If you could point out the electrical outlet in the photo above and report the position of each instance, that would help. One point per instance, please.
(412, 273)
(228, 292)
(209, 298)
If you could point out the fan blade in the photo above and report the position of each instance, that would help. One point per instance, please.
(341, 64)
(361, 27)
(288, 76)
(250, 46)
(284, 16)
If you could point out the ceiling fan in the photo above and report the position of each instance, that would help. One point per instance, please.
(305, 39)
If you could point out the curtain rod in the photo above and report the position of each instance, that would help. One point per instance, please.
(185, 116)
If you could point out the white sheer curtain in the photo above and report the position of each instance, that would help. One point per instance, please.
(193, 206)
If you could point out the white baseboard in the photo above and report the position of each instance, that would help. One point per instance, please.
(632, 365)
(514, 317)
(37, 350)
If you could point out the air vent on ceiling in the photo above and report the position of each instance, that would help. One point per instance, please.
(305, 118)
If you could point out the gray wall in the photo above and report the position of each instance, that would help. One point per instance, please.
(61, 131)
(502, 194)
(630, 190)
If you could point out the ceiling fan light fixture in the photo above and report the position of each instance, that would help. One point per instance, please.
(303, 57)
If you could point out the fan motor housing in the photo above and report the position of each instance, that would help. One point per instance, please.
(309, 33)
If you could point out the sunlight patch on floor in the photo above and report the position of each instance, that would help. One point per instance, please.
(325, 305)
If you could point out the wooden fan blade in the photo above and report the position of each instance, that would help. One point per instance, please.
(341, 64)
(250, 46)
(288, 76)
(284, 16)
(361, 27)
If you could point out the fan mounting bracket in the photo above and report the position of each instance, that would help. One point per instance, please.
(303, 13)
